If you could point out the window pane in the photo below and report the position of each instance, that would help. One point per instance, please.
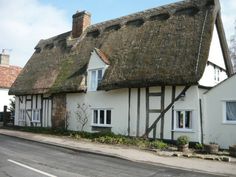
(108, 117)
(188, 119)
(101, 116)
(180, 119)
(99, 76)
(231, 111)
(95, 116)
(93, 80)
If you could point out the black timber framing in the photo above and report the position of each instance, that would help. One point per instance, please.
(147, 109)
(21, 99)
(160, 94)
(162, 108)
(201, 121)
(172, 118)
(138, 112)
(164, 111)
(129, 97)
(41, 111)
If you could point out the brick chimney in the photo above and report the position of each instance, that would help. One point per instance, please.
(4, 58)
(81, 20)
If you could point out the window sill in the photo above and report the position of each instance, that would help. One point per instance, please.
(184, 130)
(96, 125)
(229, 123)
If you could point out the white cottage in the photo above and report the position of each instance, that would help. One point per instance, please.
(144, 74)
(8, 75)
(220, 113)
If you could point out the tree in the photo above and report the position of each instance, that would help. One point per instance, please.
(12, 105)
(232, 48)
(82, 114)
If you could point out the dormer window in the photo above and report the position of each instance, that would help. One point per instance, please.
(95, 78)
(97, 65)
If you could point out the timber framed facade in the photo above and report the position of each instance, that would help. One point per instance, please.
(143, 74)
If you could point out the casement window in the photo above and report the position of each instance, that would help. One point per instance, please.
(101, 117)
(229, 112)
(183, 120)
(216, 74)
(95, 78)
(22, 115)
(36, 115)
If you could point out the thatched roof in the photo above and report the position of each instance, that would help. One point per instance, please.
(167, 45)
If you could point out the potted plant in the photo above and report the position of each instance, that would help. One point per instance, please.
(211, 148)
(183, 143)
(232, 150)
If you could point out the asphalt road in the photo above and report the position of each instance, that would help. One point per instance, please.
(21, 158)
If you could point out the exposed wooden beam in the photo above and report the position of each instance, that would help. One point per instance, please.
(154, 110)
(147, 109)
(138, 112)
(201, 121)
(162, 108)
(164, 111)
(155, 94)
(172, 118)
(129, 111)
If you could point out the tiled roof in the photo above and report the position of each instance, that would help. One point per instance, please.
(8, 75)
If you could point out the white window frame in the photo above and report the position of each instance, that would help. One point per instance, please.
(184, 129)
(105, 117)
(35, 115)
(225, 121)
(216, 74)
(96, 80)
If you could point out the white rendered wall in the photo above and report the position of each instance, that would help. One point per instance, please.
(216, 57)
(117, 101)
(215, 129)
(4, 98)
(190, 102)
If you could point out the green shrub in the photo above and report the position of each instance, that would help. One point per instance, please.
(158, 145)
(199, 146)
(182, 140)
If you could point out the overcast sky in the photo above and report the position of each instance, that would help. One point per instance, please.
(24, 22)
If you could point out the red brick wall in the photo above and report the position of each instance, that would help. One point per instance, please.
(58, 110)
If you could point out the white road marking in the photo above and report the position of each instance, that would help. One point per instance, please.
(30, 168)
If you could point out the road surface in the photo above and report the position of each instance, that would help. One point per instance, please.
(21, 158)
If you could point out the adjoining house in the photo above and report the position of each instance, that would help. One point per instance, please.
(8, 75)
(144, 74)
(220, 113)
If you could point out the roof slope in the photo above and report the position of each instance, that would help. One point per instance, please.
(168, 45)
(8, 75)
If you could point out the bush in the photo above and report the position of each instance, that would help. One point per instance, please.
(199, 146)
(158, 145)
(182, 140)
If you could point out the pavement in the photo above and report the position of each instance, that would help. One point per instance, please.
(136, 155)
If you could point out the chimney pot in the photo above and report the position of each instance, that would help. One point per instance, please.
(81, 20)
